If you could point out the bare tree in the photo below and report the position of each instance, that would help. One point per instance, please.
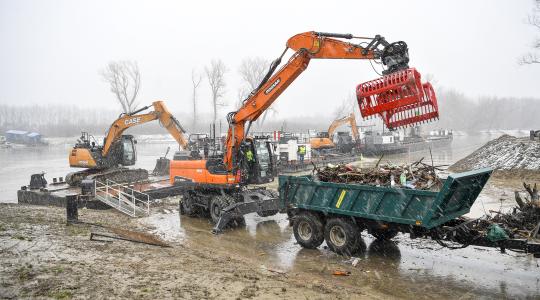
(125, 80)
(346, 107)
(534, 20)
(195, 81)
(252, 70)
(215, 73)
(242, 93)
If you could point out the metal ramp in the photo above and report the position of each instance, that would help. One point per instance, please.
(122, 198)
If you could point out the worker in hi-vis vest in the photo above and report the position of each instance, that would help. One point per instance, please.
(301, 152)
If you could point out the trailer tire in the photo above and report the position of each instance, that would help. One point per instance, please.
(384, 234)
(308, 230)
(217, 204)
(342, 236)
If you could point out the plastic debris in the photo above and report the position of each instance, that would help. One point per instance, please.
(341, 273)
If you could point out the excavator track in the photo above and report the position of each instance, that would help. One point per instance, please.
(118, 175)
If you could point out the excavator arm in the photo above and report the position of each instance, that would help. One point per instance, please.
(307, 45)
(160, 113)
(339, 122)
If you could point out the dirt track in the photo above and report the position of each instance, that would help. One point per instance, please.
(42, 257)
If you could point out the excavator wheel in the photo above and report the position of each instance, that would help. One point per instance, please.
(220, 202)
(187, 207)
(217, 204)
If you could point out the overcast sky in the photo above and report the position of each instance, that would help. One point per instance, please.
(51, 51)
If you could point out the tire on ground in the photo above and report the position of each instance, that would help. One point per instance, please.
(187, 207)
(218, 203)
(308, 230)
(342, 236)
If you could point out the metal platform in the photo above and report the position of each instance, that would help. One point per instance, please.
(156, 187)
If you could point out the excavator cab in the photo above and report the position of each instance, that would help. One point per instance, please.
(128, 151)
(260, 167)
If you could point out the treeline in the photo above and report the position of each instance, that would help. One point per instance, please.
(67, 121)
(54, 120)
(457, 112)
(460, 112)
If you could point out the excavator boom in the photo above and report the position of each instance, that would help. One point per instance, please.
(307, 45)
(319, 45)
(339, 122)
(160, 113)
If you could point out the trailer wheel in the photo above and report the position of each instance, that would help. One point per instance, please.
(217, 204)
(187, 207)
(384, 234)
(342, 236)
(308, 230)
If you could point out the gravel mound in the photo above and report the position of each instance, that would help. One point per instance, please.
(504, 153)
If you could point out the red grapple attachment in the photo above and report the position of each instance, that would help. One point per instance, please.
(399, 98)
(414, 114)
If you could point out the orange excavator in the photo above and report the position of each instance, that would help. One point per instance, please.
(222, 186)
(324, 140)
(118, 150)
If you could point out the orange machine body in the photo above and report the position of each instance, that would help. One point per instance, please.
(196, 171)
(321, 143)
(81, 157)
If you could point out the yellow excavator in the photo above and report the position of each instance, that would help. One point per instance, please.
(118, 150)
(324, 139)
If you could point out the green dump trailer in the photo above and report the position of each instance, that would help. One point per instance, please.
(338, 213)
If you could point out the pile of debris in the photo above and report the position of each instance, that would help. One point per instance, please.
(414, 176)
(504, 153)
(524, 219)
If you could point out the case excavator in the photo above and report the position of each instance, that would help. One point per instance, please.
(108, 161)
(324, 139)
(226, 186)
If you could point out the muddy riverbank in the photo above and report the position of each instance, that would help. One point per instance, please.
(41, 256)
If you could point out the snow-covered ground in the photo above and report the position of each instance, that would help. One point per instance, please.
(504, 153)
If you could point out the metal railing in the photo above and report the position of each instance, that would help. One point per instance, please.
(122, 198)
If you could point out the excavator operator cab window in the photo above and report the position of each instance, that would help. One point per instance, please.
(262, 171)
(128, 151)
(322, 135)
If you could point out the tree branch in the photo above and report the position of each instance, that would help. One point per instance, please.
(124, 80)
(215, 74)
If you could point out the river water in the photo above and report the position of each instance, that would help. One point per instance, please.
(18, 163)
